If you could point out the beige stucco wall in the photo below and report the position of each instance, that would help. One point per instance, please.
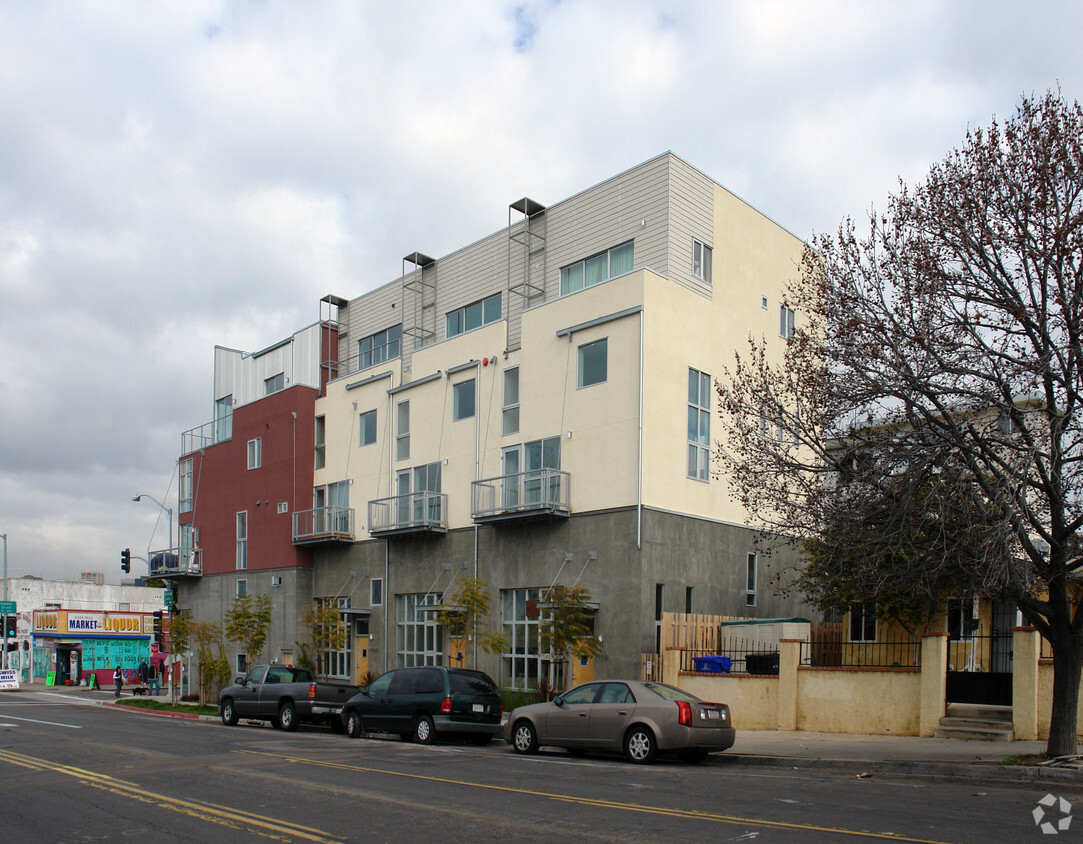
(753, 701)
(874, 702)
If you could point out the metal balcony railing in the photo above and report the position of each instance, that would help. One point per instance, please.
(418, 512)
(526, 495)
(323, 524)
(174, 562)
(207, 434)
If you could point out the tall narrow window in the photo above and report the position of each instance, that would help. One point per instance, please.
(689, 603)
(750, 580)
(223, 419)
(463, 400)
(510, 417)
(366, 426)
(376, 592)
(402, 431)
(659, 603)
(242, 539)
(593, 363)
(184, 494)
(255, 453)
(701, 261)
(321, 442)
(418, 637)
(786, 322)
(699, 425)
(242, 587)
(522, 663)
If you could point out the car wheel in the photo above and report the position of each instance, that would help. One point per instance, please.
(693, 756)
(524, 739)
(229, 714)
(424, 731)
(481, 740)
(639, 745)
(287, 717)
(354, 725)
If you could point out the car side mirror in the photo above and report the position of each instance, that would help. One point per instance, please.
(240, 681)
(558, 700)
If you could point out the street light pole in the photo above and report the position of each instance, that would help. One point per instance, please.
(169, 513)
(4, 661)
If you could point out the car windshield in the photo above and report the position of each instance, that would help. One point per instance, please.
(670, 692)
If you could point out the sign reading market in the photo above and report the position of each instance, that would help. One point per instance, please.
(90, 623)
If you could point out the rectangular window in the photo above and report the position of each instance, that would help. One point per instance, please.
(184, 493)
(701, 261)
(510, 416)
(473, 316)
(255, 452)
(593, 363)
(659, 604)
(689, 604)
(786, 322)
(321, 442)
(538, 456)
(223, 419)
(274, 384)
(521, 664)
(366, 428)
(376, 348)
(418, 638)
(242, 539)
(242, 663)
(376, 592)
(187, 547)
(699, 425)
(402, 431)
(750, 580)
(462, 400)
(596, 269)
(242, 587)
(863, 622)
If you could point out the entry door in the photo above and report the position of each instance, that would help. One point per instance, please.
(540, 455)
(509, 469)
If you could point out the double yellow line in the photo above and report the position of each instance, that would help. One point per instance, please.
(222, 815)
(608, 804)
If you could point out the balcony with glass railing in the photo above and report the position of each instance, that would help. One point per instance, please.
(323, 524)
(418, 512)
(542, 493)
(174, 562)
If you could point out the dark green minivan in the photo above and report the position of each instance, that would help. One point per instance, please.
(421, 703)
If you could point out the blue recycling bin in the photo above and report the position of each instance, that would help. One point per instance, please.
(712, 664)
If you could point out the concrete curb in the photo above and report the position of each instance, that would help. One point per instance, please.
(960, 770)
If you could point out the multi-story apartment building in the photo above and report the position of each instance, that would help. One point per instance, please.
(534, 408)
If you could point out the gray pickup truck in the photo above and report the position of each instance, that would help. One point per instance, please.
(285, 696)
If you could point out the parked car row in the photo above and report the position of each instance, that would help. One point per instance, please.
(638, 719)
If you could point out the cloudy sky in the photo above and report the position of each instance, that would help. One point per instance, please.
(179, 175)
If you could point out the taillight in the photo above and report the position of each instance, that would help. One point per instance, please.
(312, 691)
(684, 713)
(445, 706)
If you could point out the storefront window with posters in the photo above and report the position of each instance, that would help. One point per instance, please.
(71, 645)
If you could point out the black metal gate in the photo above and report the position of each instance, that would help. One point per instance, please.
(980, 660)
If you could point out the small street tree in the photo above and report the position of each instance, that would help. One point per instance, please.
(214, 668)
(180, 641)
(924, 431)
(327, 633)
(566, 628)
(465, 615)
(247, 621)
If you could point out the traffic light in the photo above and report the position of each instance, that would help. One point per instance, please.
(157, 621)
(10, 626)
(126, 560)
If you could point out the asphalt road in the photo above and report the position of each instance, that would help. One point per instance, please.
(75, 773)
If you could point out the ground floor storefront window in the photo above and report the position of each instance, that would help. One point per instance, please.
(419, 639)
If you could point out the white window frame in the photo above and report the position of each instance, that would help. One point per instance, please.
(379, 347)
(573, 277)
(698, 465)
(459, 408)
(255, 453)
(419, 639)
(320, 437)
(402, 430)
(242, 539)
(701, 260)
(185, 485)
(585, 349)
(455, 321)
(363, 426)
(376, 592)
(522, 665)
(509, 417)
(787, 320)
(223, 419)
(752, 574)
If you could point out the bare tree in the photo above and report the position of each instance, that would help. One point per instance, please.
(926, 418)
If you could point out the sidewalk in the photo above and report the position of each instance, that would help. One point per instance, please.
(856, 754)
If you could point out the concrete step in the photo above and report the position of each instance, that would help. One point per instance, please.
(987, 733)
(981, 712)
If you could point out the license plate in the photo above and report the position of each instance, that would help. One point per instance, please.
(710, 714)
(480, 707)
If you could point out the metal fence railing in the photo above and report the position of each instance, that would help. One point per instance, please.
(735, 656)
(897, 651)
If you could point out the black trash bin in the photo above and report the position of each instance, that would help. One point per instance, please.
(766, 663)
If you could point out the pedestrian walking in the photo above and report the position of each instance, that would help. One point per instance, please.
(118, 681)
(154, 678)
(143, 673)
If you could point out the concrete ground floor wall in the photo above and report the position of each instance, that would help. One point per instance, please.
(634, 566)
